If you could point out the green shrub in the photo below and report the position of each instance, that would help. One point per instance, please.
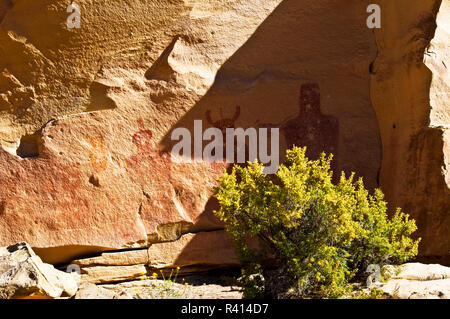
(314, 235)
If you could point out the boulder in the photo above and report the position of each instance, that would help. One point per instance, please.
(414, 289)
(418, 271)
(24, 275)
(417, 281)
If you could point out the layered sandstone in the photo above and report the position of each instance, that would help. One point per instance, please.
(24, 275)
(86, 114)
(410, 94)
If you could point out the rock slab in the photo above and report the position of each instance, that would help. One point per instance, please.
(24, 275)
(417, 281)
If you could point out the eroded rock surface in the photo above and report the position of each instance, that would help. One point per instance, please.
(24, 275)
(410, 94)
(86, 114)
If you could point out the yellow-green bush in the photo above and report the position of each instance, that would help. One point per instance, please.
(318, 233)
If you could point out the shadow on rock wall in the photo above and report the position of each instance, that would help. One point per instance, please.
(306, 71)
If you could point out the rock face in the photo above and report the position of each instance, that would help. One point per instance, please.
(107, 274)
(418, 281)
(191, 253)
(24, 275)
(86, 115)
(410, 90)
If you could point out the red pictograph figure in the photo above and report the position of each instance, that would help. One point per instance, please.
(169, 187)
(143, 140)
(151, 168)
(318, 132)
(222, 123)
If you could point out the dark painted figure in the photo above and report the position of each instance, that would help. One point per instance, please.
(222, 123)
(320, 133)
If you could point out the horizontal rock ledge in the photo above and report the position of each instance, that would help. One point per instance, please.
(191, 253)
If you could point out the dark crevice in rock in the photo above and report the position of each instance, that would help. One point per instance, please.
(2, 207)
(5, 6)
(29, 146)
(372, 68)
(94, 180)
(373, 72)
(16, 247)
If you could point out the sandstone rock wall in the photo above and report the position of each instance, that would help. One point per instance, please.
(409, 90)
(86, 114)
